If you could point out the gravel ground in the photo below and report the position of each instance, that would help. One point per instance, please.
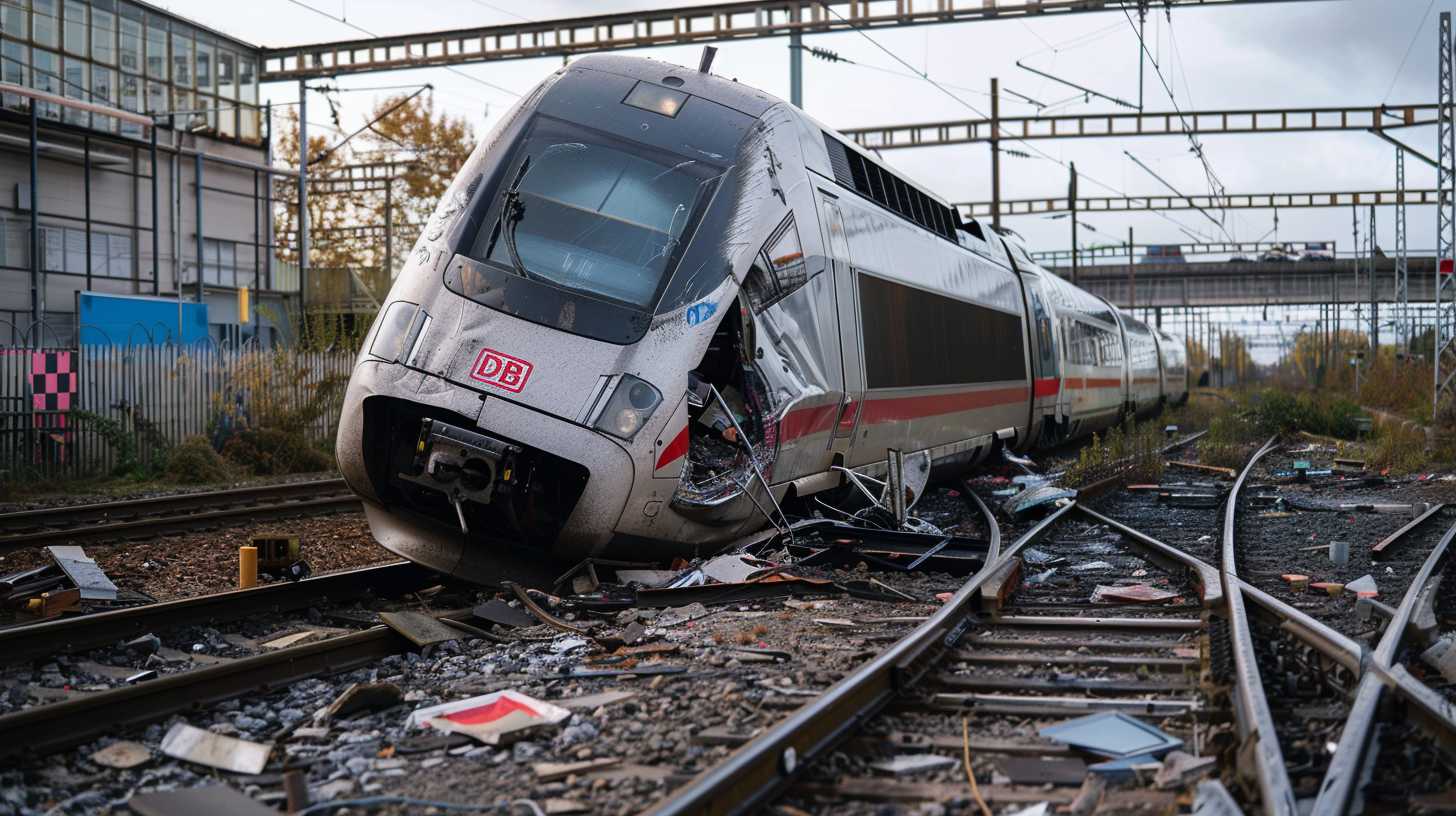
(1273, 539)
(666, 728)
(90, 493)
(197, 563)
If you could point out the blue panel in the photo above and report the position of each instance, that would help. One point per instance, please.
(128, 320)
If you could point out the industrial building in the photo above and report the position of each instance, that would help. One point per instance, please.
(95, 199)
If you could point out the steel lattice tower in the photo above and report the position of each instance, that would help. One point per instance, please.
(1445, 334)
(1403, 330)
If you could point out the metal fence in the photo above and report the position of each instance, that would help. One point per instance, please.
(81, 412)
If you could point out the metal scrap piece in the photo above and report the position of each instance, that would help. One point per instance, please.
(84, 572)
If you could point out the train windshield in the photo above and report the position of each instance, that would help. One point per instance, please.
(596, 215)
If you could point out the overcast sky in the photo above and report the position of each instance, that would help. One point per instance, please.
(1305, 53)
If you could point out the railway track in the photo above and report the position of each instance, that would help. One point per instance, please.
(166, 515)
(1004, 652)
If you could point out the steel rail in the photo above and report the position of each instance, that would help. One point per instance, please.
(77, 514)
(168, 525)
(767, 764)
(1389, 540)
(1169, 558)
(1251, 708)
(1336, 646)
(48, 728)
(1341, 783)
(19, 644)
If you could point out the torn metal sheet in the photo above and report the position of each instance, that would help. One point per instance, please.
(1180, 769)
(902, 764)
(503, 614)
(420, 629)
(122, 755)
(1037, 771)
(363, 697)
(84, 572)
(1136, 593)
(214, 800)
(1112, 734)
(730, 569)
(491, 718)
(1035, 497)
(651, 578)
(193, 744)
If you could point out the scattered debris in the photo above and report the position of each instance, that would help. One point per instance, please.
(84, 573)
(122, 755)
(1213, 799)
(290, 640)
(192, 744)
(503, 614)
(1035, 497)
(554, 771)
(650, 578)
(902, 764)
(731, 569)
(491, 718)
(1092, 565)
(1112, 734)
(214, 799)
(1039, 809)
(1133, 593)
(1037, 771)
(1363, 587)
(592, 702)
(681, 615)
(1331, 588)
(1221, 471)
(1180, 769)
(419, 628)
(362, 697)
(1340, 552)
(1442, 657)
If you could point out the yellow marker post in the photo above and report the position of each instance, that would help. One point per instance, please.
(247, 567)
(243, 316)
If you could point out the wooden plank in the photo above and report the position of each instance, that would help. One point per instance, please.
(420, 629)
(1172, 664)
(1102, 685)
(1059, 622)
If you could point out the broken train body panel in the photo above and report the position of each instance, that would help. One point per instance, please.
(654, 302)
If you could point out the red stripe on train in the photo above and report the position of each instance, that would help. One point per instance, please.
(1046, 386)
(675, 449)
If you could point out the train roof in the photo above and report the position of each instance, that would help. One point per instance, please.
(726, 92)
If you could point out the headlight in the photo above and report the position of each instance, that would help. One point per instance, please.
(393, 327)
(627, 411)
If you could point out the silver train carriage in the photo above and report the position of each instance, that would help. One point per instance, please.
(652, 296)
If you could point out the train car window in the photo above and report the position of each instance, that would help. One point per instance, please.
(786, 258)
(779, 269)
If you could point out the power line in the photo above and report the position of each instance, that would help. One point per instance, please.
(1033, 148)
(364, 30)
(1421, 26)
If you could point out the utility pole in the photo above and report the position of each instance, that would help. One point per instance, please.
(1374, 302)
(1131, 275)
(1142, 51)
(302, 197)
(1072, 205)
(1402, 270)
(996, 156)
(1445, 338)
(796, 60)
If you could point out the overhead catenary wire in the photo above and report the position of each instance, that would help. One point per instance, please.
(363, 30)
(1007, 134)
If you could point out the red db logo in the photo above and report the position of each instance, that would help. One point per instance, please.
(501, 370)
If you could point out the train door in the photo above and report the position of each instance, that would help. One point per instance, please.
(851, 351)
(1046, 383)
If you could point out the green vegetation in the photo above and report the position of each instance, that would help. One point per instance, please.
(1276, 411)
(141, 449)
(1134, 450)
(274, 452)
(195, 462)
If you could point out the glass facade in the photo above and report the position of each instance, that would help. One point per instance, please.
(115, 53)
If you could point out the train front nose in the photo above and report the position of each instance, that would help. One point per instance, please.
(481, 488)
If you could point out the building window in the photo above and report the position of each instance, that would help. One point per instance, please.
(45, 76)
(13, 20)
(103, 36)
(77, 86)
(63, 249)
(43, 29)
(131, 45)
(103, 91)
(14, 67)
(75, 28)
(156, 97)
(156, 49)
(181, 60)
(204, 67)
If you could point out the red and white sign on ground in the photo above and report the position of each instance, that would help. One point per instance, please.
(504, 716)
(501, 370)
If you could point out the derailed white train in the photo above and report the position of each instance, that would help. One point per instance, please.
(645, 273)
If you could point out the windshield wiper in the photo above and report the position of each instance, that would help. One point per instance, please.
(512, 211)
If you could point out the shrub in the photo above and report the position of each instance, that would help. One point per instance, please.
(195, 462)
(272, 452)
(1282, 412)
(1399, 447)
